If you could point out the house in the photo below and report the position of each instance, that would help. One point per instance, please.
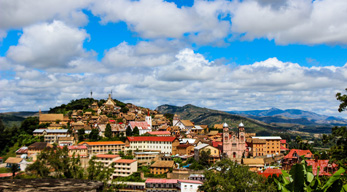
(103, 147)
(325, 168)
(189, 185)
(184, 125)
(218, 126)
(294, 156)
(146, 157)
(66, 141)
(257, 147)
(116, 129)
(1, 160)
(160, 133)
(254, 164)
(37, 147)
(56, 132)
(161, 167)
(50, 118)
(284, 146)
(184, 149)
(22, 164)
(272, 145)
(269, 172)
(169, 185)
(22, 152)
(143, 126)
(197, 129)
(214, 152)
(78, 150)
(122, 167)
(167, 145)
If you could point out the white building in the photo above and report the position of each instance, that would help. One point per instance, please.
(189, 185)
(143, 126)
(163, 144)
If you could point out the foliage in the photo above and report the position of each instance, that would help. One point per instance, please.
(343, 100)
(108, 131)
(128, 131)
(136, 131)
(94, 135)
(135, 177)
(13, 169)
(339, 150)
(227, 175)
(124, 109)
(97, 171)
(77, 104)
(80, 134)
(301, 178)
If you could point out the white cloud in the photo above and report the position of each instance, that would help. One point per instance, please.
(292, 21)
(160, 19)
(22, 13)
(49, 45)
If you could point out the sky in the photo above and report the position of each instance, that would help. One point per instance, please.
(225, 55)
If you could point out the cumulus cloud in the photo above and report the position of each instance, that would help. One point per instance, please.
(292, 21)
(160, 19)
(22, 13)
(48, 45)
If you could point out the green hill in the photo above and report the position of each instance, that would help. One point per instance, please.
(210, 117)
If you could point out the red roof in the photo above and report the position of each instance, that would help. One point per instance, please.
(322, 165)
(216, 143)
(103, 143)
(72, 147)
(111, 120)
(0, 157)
(161, 181)
(283, 141)
(106, 156)
(299, 152)
(170, 139)
(140, 124)
(128, 161)
(160, 133)
(268, 172)
(22, 150)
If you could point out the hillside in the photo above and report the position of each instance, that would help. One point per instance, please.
(210, 117)
(294, 116)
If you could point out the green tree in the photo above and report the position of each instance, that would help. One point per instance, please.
(128, 131)
(301, 178)
(14, 168)
(94, 135)
(108, 131)
(136, 131)
(228, 176)
(80, 134)
(343, 100)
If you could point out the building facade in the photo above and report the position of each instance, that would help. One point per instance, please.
(234, 144)
(167, 145)
(103, 147)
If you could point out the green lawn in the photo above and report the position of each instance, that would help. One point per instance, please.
(4, 170)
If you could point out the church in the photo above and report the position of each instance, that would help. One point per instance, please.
(234, 144)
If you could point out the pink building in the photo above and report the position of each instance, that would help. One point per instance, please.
(234, 144)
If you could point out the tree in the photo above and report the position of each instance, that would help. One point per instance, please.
(80, 134)
(128, 131)
(108, 131)
(14, 168)
(343, 100)
(136, 131)
(94, 135)
(301, 178)
(227, 175)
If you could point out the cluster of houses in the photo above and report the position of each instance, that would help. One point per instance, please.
(158, 143)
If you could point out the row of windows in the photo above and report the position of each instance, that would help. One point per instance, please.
(152, 142)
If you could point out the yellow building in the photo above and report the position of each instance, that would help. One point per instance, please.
(103, 147)
(214, 152)
(161, 167)
(272, 145)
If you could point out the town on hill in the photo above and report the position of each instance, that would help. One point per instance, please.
(131, 148)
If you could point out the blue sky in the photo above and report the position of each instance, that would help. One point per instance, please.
(226, 55)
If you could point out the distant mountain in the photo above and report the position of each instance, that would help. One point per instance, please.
(294, 116)
(209, 117)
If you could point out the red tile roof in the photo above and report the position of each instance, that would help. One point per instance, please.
(169, 139)
(103, 143)
(160, 133)
(283, 141)
(322, 165)
(268, 172)
(217, 143)
(72, 147)
(128, 161)
(23, 150)
(299, 152)
(140, 124)
(161, 181)
(283, 148)
(106, 156)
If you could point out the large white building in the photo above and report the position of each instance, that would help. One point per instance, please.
(166, 145)
(122, 167)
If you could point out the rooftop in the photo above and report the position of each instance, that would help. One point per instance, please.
(127, 161)
(267, 137)
(168, 139)
(106, 156)
(103, 143)
(165, 164)
(161, 181)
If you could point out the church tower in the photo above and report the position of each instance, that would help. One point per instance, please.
(149, 119)
(226, 140)
(175, 120)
